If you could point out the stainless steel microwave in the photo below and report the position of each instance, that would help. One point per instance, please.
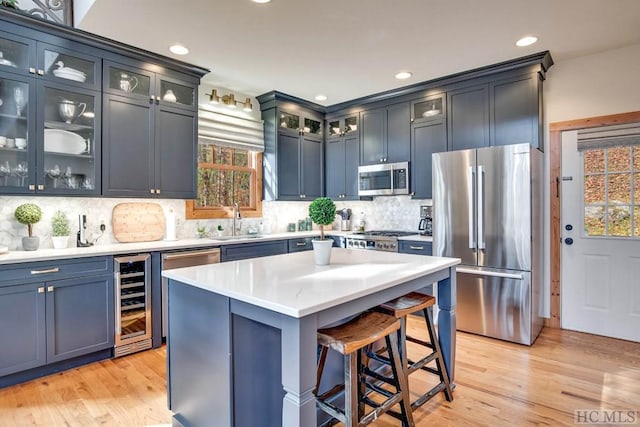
(385, 179)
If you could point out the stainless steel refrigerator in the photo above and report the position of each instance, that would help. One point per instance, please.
(487, 208)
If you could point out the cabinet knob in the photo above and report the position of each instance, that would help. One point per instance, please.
(32, 187)
(41, 290)
(49, 288)
(153, 191)
(152, 98)
(32, 70)
(40, 187)
(41, 72)
(157, 191)
(412, 119)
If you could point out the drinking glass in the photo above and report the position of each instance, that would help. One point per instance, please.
(54, 174)
(5, 171)
(20, 99)
(68, 177)
(21, 171)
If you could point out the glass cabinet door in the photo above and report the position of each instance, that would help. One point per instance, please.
(128, 82)
(312, 127)
(176, 94)
(16, 54)
(67, 163)
(350, 124)
(69, 67)
(342, 126)
(17, 138)
(428, 109)
(289, 122)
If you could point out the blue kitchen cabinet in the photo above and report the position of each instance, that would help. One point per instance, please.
(468, 117)
(52, 312)
(385, 134)
(342, 154)
(426, 138)
(253, 250)
(415, 247)
(301, 244)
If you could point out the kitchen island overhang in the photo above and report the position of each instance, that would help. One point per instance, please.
(242, 335)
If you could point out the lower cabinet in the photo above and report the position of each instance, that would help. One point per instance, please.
(252, 250)
(52, 320)
(415, 247)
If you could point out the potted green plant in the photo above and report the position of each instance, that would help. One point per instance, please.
(220, 230)
(322, 211)
(60, 230)
(29, 214)
(201, 230)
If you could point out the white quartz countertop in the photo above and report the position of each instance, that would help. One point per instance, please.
(293, 285)
(159, 245)
(417, 238)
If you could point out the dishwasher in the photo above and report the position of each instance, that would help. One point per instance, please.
(171, 260)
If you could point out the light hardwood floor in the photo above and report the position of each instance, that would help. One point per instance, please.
(498, 384)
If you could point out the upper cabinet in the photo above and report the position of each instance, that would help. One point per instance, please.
(150, 123)
(515, 110)
(429, 109)
(342, 149)
(468, 118)
(50, 115)
(293, 157)
(54, 83)
(385, 134)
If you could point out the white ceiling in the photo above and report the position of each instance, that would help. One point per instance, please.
(346, 49)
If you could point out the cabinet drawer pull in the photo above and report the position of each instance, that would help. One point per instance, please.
(416, 248)
(41, 290)
(50, 289)
(49, 270)
(301, 244)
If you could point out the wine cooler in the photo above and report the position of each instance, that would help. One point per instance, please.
(133, 303)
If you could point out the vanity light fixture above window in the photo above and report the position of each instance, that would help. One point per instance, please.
(179, 49)
(403, 75)
(230, 101)
(526, 41)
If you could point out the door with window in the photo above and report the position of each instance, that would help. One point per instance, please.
(601, 234)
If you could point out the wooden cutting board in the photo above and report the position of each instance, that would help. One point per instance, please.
(138, 222)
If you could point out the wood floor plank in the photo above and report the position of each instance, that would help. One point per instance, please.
(497, 384)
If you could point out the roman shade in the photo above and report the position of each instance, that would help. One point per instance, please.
(218, 128)
(609, 136)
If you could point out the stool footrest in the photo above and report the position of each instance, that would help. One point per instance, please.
(330, 393)
(332, 410)
(421, 342)
(428, 395)
(379, 408)
(414, 366)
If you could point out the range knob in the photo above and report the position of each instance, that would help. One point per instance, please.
(363, 244)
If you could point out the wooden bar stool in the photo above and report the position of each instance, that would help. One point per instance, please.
(400, 308)
(350, 339)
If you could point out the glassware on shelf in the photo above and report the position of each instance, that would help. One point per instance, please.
(19, 97)
(5, 171)
(54, 174)
(67, 176)
(21, 171)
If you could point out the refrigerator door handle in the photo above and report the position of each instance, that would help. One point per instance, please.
(517, 276)
(480, 197)
(470, 185)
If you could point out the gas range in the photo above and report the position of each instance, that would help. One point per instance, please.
(379, 240)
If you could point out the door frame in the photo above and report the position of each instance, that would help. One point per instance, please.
(555, 196)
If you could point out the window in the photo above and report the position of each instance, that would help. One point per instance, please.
(227, 175)
(612, 191)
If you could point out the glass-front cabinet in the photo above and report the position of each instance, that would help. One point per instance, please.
(295, 123)
(430, 108)
(49, 111)
(159, 89)
(343, 126)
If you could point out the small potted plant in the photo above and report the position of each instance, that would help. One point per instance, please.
(322, 211)
(201, 230)
(60, 230)
(220, 230)
(29, 214)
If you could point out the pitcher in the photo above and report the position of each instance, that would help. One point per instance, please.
(128, 83)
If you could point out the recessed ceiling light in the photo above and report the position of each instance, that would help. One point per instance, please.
(402, 75)
(321, 98)
(178, 49)
(261, 1)
(526, 41)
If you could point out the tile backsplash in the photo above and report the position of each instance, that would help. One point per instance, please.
(388, 213)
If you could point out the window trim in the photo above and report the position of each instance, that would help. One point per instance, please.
(194, 212)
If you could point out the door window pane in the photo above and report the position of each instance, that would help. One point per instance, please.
(612, 191)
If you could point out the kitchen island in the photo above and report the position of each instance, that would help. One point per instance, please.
(242, 335)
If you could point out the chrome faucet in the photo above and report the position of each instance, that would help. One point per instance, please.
(236, 216)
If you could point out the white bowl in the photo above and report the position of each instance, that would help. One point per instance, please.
(62, 141)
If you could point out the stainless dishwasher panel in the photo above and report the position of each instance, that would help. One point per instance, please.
(171, 260)
(495, 303)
